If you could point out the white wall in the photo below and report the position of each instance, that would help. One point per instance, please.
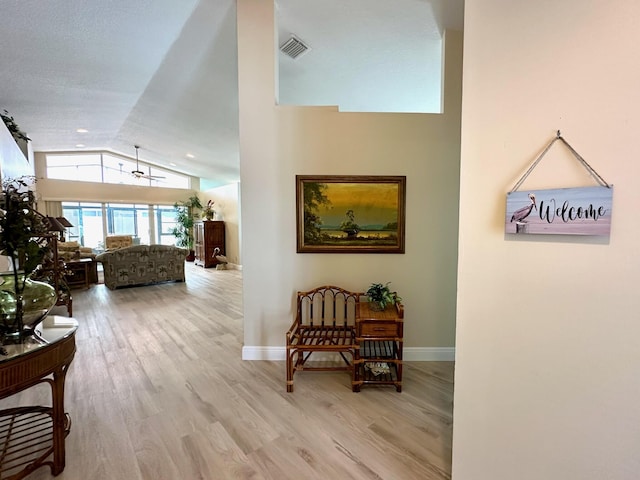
(547, 356)
(69, 190)
(227, 208)
(13, 162)
(276, 143)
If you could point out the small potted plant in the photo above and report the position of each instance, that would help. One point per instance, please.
(380, 296)
(208, 212)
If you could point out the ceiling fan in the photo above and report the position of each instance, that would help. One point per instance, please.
(137, 173)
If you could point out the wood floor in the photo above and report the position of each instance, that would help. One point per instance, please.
(158, 390)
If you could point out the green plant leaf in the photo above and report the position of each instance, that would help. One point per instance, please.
(381, 294)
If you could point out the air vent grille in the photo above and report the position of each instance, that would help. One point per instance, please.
(294, 47)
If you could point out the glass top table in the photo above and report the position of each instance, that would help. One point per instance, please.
(33, 436)
(51, 330)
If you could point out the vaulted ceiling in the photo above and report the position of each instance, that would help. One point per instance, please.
(162, 74)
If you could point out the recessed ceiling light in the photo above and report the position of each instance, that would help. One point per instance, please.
(173, 164)
(80, 145)
(190, 155)
(82, 130)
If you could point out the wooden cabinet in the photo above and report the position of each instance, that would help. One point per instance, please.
(379, 340)
(82, 272)
(207, 236)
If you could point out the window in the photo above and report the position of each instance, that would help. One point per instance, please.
(118, 170)
(165, 178)
(165, 221)
(105, 167)
(86, 168)
(148, 224)
(120, 220)
(86, 219)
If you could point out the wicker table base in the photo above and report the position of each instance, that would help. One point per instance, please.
(33, 436)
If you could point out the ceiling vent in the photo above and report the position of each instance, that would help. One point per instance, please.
(294, 47)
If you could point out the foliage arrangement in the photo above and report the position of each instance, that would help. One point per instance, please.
(381, 295)
(313, 198)
(185, 218)
(20, 227)
(13, 127)
(208, 211)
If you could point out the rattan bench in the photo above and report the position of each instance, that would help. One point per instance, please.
(324, 323)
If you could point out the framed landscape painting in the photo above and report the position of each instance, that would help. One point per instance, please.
(350, 214)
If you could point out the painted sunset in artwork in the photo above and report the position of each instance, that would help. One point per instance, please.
(373, 205)
(344, 213)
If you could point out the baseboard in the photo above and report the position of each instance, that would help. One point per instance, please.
(410, 354)
(429, 354)
(263, 353)
(229, 266)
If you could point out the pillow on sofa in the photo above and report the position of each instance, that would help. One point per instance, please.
(69, 255)
(114, 242)
(68, 251)
(68, 246)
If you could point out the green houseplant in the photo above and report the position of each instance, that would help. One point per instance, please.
(13, 127)
(208, 213)
(22, 301)
(185, 218)
(380, 296)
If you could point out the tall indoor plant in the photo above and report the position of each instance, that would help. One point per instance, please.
(21, 229)
(185, 218)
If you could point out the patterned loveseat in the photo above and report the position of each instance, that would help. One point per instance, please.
(142, 264)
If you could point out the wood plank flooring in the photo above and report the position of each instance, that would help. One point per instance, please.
(158, 390)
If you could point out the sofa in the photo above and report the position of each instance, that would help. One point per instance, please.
(142, 265)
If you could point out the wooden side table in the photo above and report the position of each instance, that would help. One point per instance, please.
(81, 272)
(378, 348)
(34, 436)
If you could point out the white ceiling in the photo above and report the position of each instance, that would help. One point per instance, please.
(162, 74)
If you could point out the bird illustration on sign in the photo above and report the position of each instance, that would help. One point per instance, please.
(522, 213)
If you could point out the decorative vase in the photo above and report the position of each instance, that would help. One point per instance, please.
(38, 298)
(376, 306)
(210, 214)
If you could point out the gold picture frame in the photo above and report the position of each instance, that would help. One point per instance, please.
(350, 213)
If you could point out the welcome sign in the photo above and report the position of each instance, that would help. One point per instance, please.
(564, 211)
